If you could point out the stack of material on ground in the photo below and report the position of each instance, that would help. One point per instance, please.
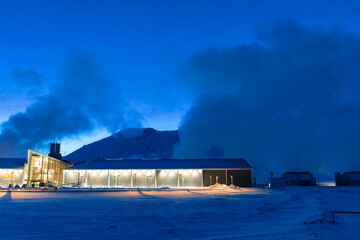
(220, 186)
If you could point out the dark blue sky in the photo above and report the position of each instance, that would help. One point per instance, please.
(140, 42)
(139, 47)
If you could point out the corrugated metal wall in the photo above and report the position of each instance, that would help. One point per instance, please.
(143, 178)
(162, 178)
(190, 178)
(97, 178)
(133, 178)
(241, 178)
(167, 178)
(120, 178)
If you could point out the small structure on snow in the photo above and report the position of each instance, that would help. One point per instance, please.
(299, 178)
(278, 183)
(347, 179)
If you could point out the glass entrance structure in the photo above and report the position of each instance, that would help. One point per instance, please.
(42, 168)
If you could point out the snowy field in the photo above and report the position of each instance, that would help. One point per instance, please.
(298, 213)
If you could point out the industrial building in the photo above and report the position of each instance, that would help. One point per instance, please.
(159, 173)
(347, 179)
(299, 178)
(291, 178)
(112, 173)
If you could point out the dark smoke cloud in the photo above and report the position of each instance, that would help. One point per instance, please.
(288, 101)
(27, 77)
(30, 81)
(80, 102)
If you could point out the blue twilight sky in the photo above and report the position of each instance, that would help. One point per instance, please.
(50, 51)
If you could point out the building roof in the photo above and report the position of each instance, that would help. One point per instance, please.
(293, 173)
(228, 163)
(12, 163)
(353, 172)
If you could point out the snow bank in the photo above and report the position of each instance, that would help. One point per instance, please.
(216, 212)
(219, 186)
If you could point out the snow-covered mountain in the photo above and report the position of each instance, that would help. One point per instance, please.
(129, 143)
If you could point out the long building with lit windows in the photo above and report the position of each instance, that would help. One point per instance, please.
(159, 173)
(125, 173)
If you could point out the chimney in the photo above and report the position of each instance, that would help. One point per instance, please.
(55, 150)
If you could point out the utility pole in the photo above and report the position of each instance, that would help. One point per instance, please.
(317, 174)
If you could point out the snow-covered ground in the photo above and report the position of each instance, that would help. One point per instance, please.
(223, 213)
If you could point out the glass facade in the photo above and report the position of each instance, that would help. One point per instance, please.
(42, 168)
(11, 176)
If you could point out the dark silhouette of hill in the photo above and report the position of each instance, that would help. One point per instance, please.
(129, 143)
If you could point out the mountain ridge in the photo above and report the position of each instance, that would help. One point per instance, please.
(129, 143)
